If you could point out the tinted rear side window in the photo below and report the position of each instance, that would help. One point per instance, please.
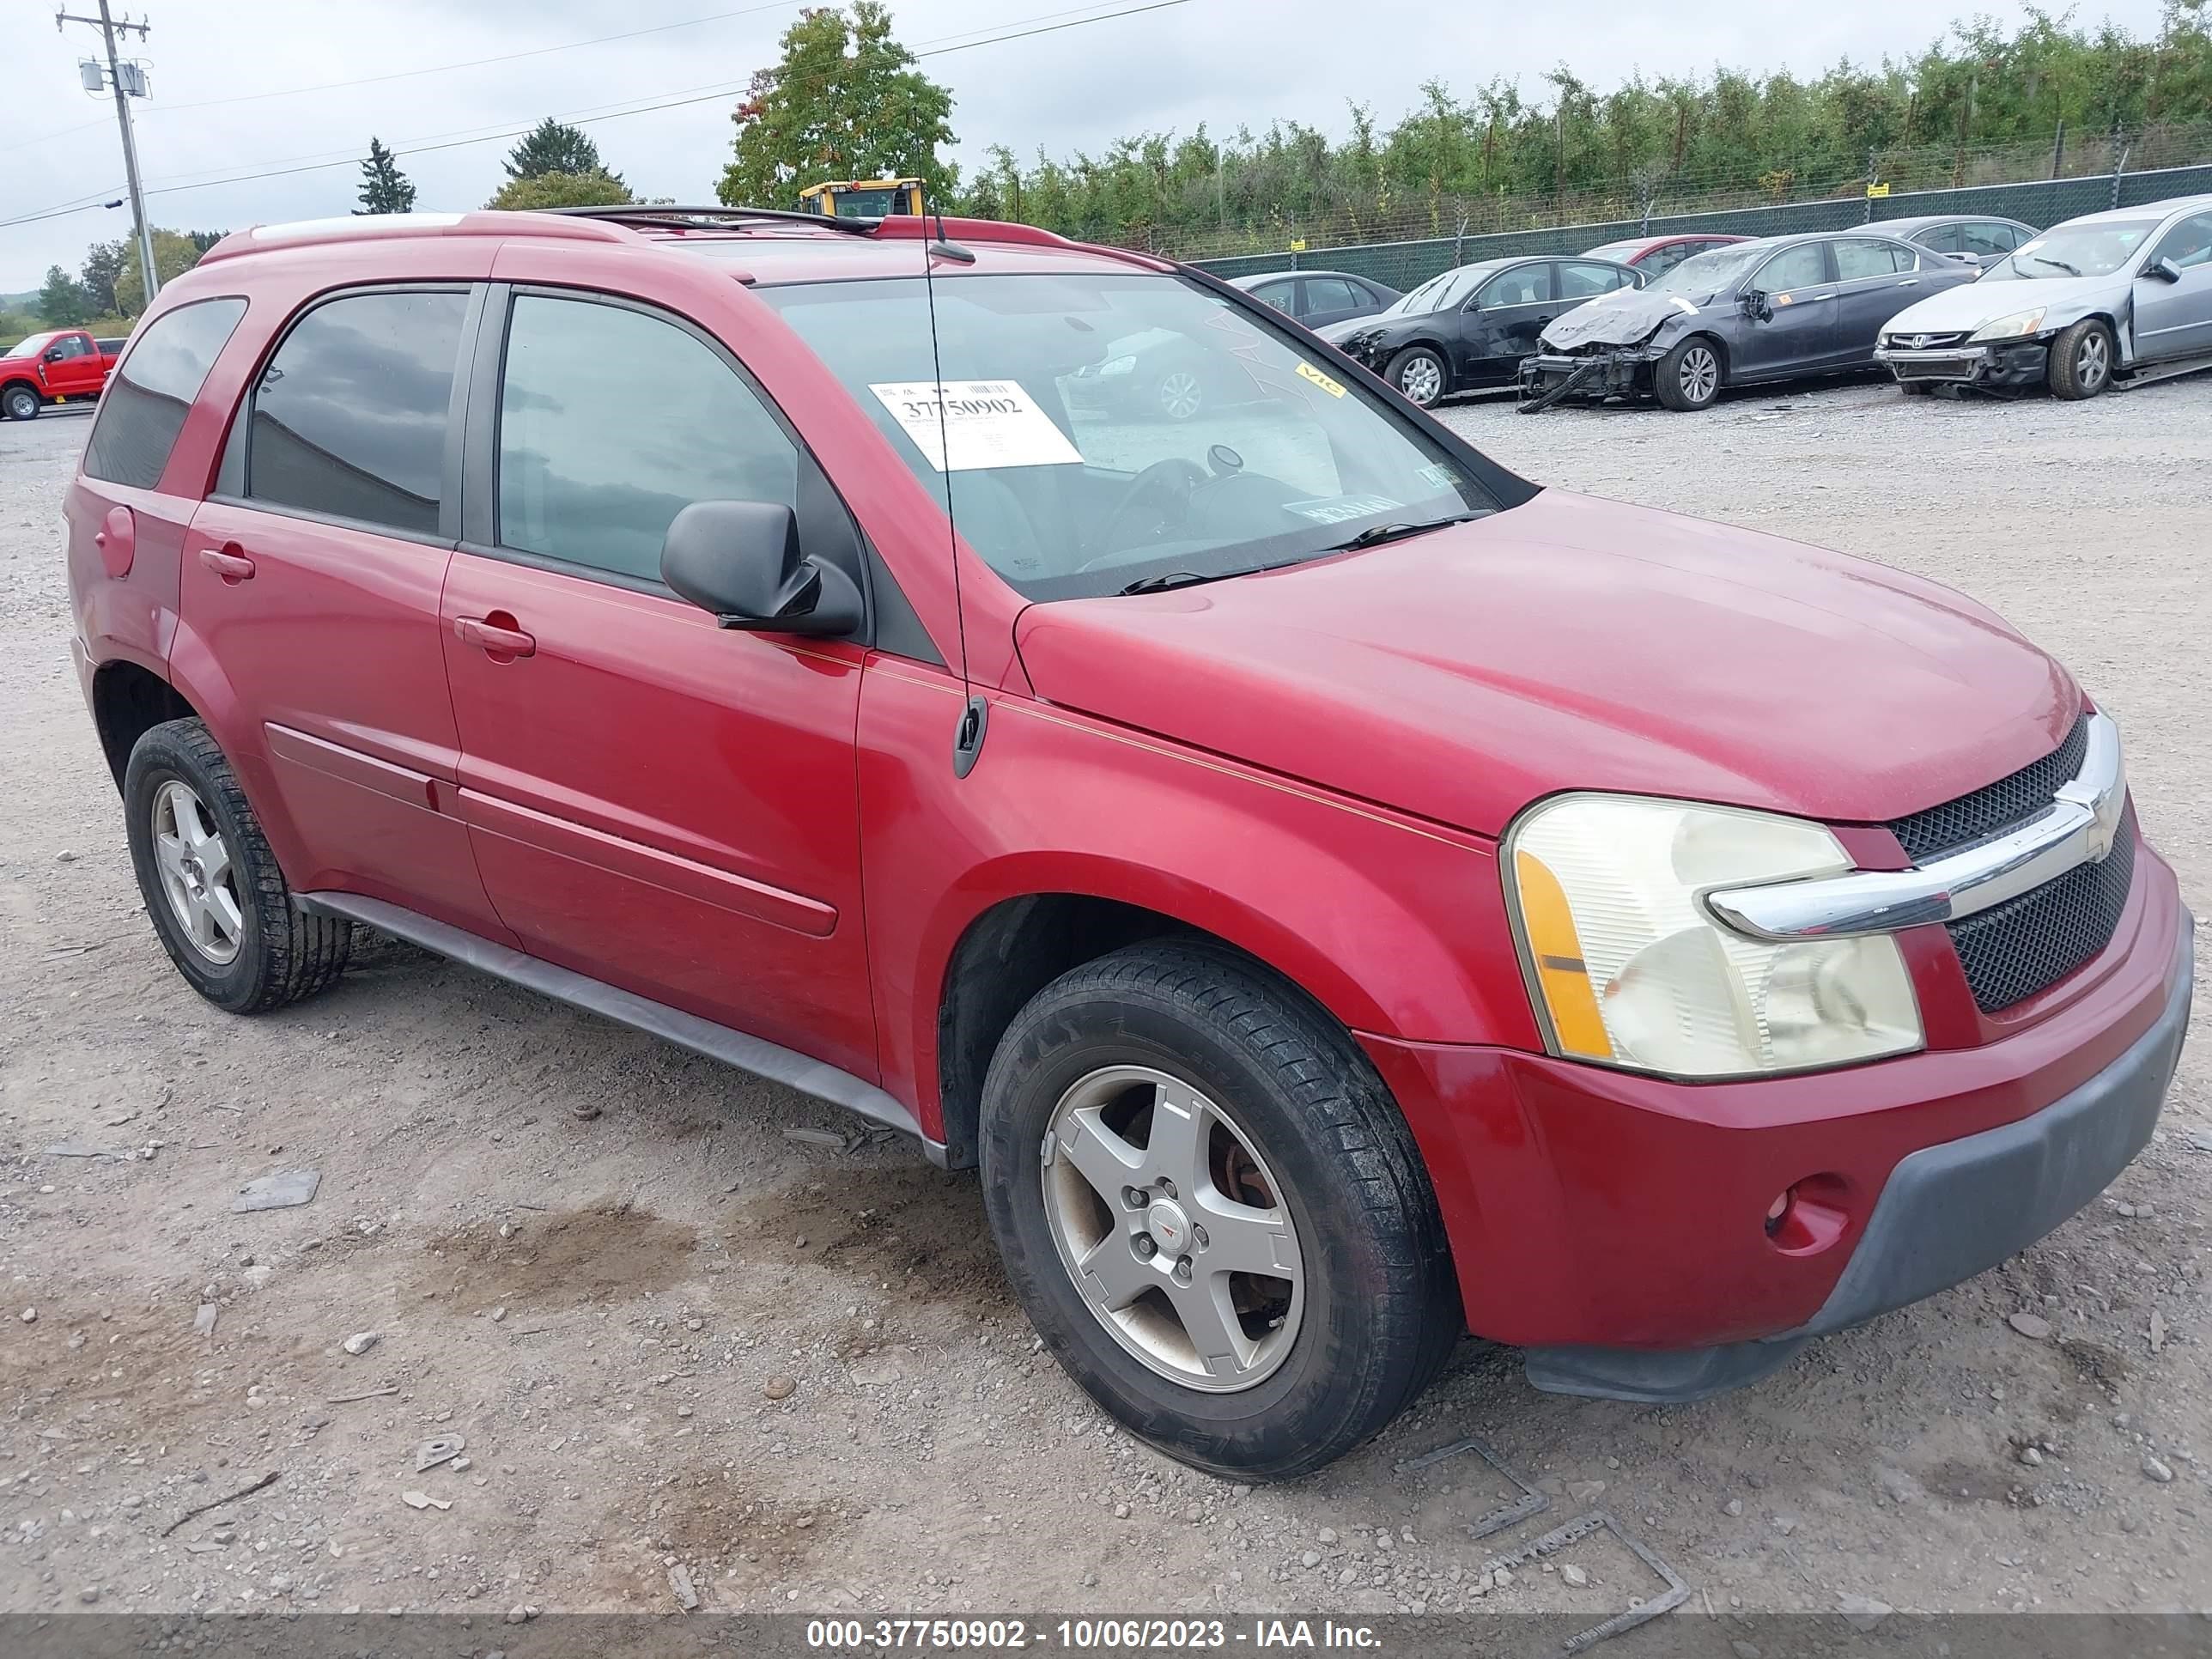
(349, 416)
(148, 397)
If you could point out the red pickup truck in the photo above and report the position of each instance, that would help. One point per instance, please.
(52, 369)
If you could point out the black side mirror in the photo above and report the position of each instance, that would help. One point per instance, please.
(741, 560)
(2164, 270)
(1753, 303)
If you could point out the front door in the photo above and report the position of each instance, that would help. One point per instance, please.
(1331, 300)
(312, 576)
(2174, 319)
(1501, 324)
(655, 801)
(73, 367)
(1799, 334)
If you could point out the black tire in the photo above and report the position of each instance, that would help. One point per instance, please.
(1380, 1309)
(1428, 371)
(1915, 388)
(20, 403)
(2081, 360)
(280, 954)
(1691, 375)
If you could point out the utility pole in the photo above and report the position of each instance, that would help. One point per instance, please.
(124, 87)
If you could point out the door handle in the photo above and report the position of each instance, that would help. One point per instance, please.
(230, 563)
(493, 638)
(1910, 282)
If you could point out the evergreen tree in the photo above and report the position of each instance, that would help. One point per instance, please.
(384, 187)
(103, 264)
(597, 188)
(845, 102)
(62, 300)
(552, 147)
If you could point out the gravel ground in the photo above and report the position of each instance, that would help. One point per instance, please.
(672, 1337)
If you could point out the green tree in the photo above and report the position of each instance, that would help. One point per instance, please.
(553, 147)
(103, 264)
(62, 300)
(174, 253)
(844, 101)
(384, 187)
(597, 188)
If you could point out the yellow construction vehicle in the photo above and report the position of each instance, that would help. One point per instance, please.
(862, 199)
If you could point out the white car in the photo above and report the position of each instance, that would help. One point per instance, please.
(2105, 296)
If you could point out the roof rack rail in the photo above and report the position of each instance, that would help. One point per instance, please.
(645, 213)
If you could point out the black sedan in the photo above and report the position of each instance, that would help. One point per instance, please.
(1471, 327)
(1317, 298)
(1772, 309)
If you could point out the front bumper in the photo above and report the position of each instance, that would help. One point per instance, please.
(2004, 364)
(1608, 371)
(1614, 1224)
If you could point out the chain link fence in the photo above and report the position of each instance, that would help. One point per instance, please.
(2040, 203)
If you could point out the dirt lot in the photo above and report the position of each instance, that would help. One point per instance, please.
(607, 1309)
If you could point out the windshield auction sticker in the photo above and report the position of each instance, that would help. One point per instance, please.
(961, 426)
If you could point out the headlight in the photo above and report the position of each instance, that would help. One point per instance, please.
(1118, 366)
(2012, 327)
(1627, 966)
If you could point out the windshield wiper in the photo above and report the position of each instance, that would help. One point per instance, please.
(1168, 579)
(2059, 264)
(1375, 534)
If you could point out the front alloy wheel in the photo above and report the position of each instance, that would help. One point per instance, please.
(1170, 1225)
(1419, 374)
(1180, 394)
(1211, 1210)
(21, 404)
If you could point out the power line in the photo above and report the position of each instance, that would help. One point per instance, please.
(1042, 25)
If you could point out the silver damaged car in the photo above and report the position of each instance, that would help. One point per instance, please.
(2106, 297)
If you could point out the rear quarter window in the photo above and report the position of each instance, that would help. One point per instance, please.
(151, 391)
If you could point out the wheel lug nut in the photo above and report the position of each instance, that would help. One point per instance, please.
(1167, 1187)
(1145, 1248)
(1198, 1238)
(1134, 1197)
(1182, 1270)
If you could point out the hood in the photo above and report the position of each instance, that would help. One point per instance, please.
(1627, 316)
(1573, 643)
(1970, 305)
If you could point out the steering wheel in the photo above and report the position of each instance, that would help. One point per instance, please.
(1165, 485)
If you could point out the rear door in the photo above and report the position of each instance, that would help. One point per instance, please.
(655, 801)
(2174, 319)
(1875, 279)
(311, 576)
(1800, 333)
(1282, 294)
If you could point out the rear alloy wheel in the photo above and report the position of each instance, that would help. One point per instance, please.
(2081, 360)
(212, 885)
(1211, 1210)
(21, 403)
(1689, 376)
(1180, 395)
(1419, 374)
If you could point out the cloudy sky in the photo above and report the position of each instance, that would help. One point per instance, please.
(247, 85)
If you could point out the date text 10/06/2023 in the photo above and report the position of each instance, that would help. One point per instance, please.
(1085, 1635)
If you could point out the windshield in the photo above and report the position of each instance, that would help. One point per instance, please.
(1095, 431)
(1703, 275)
(1441, 293)
(2090, 250)
(29, 346)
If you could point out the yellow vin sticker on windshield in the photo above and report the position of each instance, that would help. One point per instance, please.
(962, 426)
(1307, 371)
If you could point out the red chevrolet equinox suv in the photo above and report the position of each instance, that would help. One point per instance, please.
(1340, 894)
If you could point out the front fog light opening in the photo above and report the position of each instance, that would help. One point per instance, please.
(1807, 1216)
(1627, 966)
